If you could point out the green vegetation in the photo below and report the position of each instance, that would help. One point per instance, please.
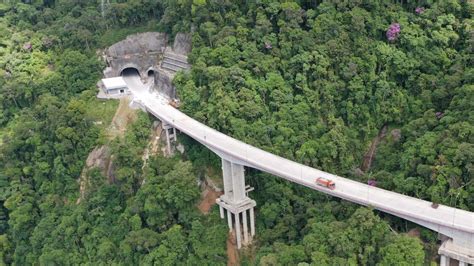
(315, 82)
(49, 123)
(112, 36)
(311, 81)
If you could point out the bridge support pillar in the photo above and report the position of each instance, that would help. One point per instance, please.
(170, 135)
(449, 251)
(444, 261)
(236, 202)
(244, 223)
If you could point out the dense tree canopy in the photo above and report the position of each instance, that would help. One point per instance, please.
(312, 81)
(316, 82)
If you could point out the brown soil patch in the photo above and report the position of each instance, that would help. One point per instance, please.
(369, 156)
(155, 140)
(232, 251)
(209, 197)
(153, 145)
(415, 232)
(122, 118)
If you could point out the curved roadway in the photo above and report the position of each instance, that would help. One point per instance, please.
(446, 220)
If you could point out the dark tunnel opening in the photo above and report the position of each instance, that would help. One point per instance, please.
(130, 71)
(151, 73)
(150, 76)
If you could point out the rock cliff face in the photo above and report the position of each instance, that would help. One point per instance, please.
(173, 60)
(139, 44)
(99, 158)
(163, 83)
(151, 56)
(140, 51)
(182, 43)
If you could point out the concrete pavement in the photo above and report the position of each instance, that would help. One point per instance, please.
(455, 223)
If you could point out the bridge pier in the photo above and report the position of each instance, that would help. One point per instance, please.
(449, 250)
(170, 135)
(444, 261)
(236, 203)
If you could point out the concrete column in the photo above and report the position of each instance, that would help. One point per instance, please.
(252, 222)
(235, 201)
(227, 176)
(237, 230)
(234, 182)
(168, 143)
(244, 222)
(444, 261)
(174, 134)
(221, 211)
(462, 263)
(229, 220)
(238, 182)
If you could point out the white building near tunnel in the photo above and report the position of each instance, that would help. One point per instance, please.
(114, 86)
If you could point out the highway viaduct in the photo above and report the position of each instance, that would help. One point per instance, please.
(456, 226)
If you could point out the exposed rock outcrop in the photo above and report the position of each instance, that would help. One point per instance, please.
(140, 51)
(396, 134)
(163, 82)
(140, 44)
(100, 158)
(174, 60)
(182, 43)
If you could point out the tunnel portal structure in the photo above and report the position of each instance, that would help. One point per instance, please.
(149, 55)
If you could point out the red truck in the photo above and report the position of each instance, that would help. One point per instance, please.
(326, 183)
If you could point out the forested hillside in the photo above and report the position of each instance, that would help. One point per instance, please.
(313, 82)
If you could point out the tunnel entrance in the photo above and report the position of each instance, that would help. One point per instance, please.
(150, 76)
(129, 71)
(151, 73)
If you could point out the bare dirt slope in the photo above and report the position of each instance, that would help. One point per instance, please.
(122, 118)
(101, 157)
(369, 156)
(153, 145)
(232, 251)
(209, 197)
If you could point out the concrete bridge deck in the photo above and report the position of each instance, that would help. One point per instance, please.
(454, 223)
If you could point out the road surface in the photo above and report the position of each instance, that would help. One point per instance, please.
(455, 223)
